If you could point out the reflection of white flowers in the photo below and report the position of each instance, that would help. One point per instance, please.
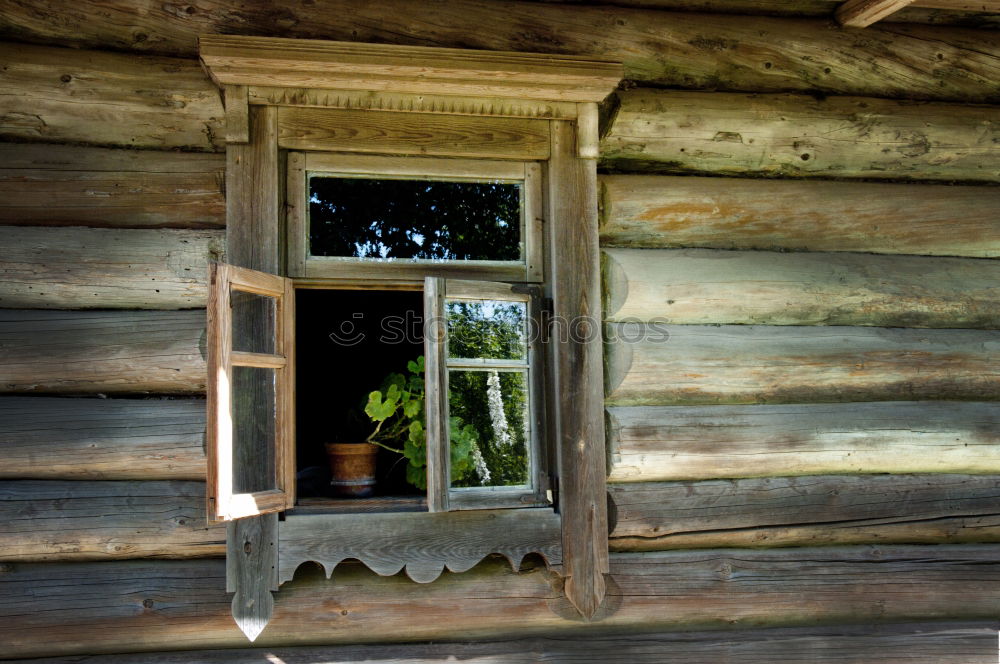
(495, 400)
(480, 462)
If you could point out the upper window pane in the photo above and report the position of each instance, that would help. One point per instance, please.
(486, 329)
(400, 219)
(253, 322)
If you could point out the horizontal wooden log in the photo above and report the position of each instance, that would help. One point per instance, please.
(50, 609)
(798, 135)
(649, 443)
(940, 12)
(805, 511)
(726, 213)
(704, 51)
(122, 352)
(82, 186)
(909, 643)
(707, 286)
(63, 95)
(57, 520)
(102, 439)
(107, 268)
(656, 363)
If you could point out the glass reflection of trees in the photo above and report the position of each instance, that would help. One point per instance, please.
(414, 219)
(491, 330)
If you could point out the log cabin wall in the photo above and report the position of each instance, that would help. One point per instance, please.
(800, 235)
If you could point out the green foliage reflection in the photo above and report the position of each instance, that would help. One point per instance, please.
(414, 219)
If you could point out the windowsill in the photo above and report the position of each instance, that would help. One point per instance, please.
(360, 505)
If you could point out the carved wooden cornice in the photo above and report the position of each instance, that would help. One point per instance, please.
(418, 70)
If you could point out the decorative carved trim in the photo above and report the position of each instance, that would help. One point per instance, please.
(301, 63)
(424, 543)
(409, 103)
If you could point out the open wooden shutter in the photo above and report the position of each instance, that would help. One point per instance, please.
(251, 460)
(517, 366)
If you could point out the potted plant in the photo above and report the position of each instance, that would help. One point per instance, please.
(397, 412)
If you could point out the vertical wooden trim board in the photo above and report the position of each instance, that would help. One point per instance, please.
(253, 240)
(576, 340)
(436, 381)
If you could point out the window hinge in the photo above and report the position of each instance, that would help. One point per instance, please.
(552, 493)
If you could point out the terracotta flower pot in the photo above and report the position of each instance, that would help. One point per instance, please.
(352, 469)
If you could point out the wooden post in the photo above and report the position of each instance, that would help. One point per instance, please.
(579, 398)
(253, 204)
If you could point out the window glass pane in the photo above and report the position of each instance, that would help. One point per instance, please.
(253, 322)
(490, 329)
(490, 428)
(394, 219)
(253, 429)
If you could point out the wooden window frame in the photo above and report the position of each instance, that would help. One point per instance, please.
(301, 264)
(223, 502)
(299, 95)
(440, 496)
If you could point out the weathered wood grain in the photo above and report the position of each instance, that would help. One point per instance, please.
(678, 49)
(798, 135)
(122, 352)
(709, 442)
(64, 185)
(107, 268)
(253, 240)
(862, 13)
(706, 286)
(425, 544)
(657, 363)
(943, 12)
(233, 60)
(58, 520)
(50, 609)
(574, 272)
(929, 643)
(412, 133)
(62, 95)
(102, 439)
(806, 511)
(728, 213)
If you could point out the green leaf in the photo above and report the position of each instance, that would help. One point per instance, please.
(415, 448)
(412, 407)
(417, 477)
(374, 408)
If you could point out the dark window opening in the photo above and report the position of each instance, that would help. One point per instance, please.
(347, 343)
(395, 219)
